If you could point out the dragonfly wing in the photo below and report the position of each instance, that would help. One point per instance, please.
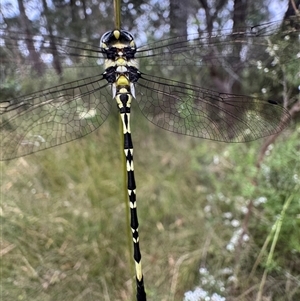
(53, 116)
(43, 52)
(247, 46)
(197, 112)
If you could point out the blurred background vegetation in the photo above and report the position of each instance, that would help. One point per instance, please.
(216, 220)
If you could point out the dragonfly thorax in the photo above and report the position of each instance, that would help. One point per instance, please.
(121, 68)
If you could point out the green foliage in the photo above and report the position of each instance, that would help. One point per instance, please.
(237, 184)
(280, 178)
(9, 89)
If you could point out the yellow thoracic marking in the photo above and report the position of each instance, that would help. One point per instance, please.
(123, 90)
(121, 62)
(122, 81)
(133, 63)
(109, 63)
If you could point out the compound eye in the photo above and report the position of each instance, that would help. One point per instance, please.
(127, 35)
(106, 37)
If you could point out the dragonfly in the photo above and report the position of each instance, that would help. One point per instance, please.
(53, 116)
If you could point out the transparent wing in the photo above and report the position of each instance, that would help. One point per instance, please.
(46, 51)
(245, 46)
(53, 116)
(197, 112)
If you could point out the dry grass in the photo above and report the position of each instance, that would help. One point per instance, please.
(64, 229)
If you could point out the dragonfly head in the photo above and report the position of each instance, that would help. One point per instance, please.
(118, 39)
